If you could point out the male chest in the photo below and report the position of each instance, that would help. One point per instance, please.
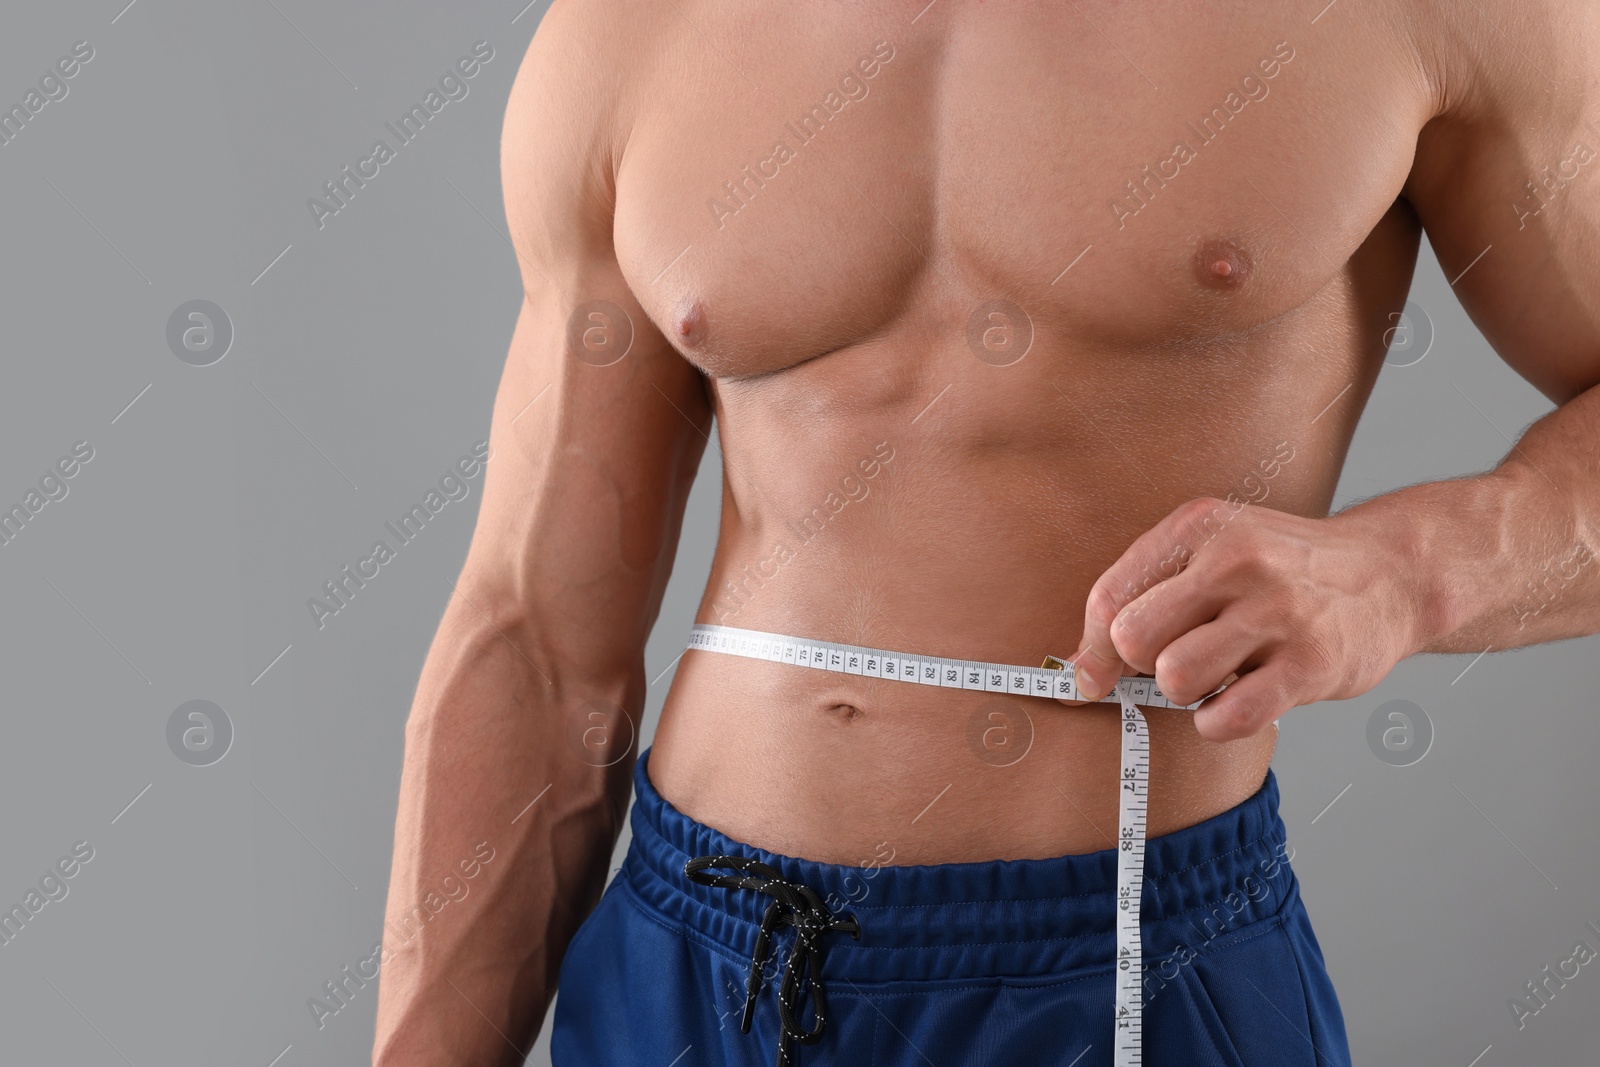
(824, 174)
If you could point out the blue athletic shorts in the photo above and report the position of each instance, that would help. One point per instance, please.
(1004, 963)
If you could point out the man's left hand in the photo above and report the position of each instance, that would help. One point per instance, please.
(1300, 609)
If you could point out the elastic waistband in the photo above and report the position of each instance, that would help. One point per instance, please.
(1005, 918)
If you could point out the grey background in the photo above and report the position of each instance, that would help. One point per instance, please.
(179, 564)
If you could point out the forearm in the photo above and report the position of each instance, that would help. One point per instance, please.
(1507, 558)
(469, 963)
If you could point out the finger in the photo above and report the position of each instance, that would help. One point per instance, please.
(1249, 705)
(1096, 670)
(1096, 664)
(1083, 703)
(1071, 703)
(1156, 555)
(1200, 660)
(1143, 629)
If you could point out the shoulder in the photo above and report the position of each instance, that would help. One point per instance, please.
(1507, 175)
(1504, 66)
(569, 112)
(1516, 88)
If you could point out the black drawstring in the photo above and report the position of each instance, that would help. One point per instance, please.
(793, 905)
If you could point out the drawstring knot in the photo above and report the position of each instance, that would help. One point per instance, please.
(794, 905)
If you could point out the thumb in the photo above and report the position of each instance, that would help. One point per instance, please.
(1096, 672)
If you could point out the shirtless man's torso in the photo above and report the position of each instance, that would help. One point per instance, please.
(978, 296)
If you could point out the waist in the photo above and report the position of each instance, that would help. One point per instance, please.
(832, 766)
(1036, 917)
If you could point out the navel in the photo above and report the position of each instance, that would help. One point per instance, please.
(845, 712)
(1220, 263)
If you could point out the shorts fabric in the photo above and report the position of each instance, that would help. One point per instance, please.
(1007, 962)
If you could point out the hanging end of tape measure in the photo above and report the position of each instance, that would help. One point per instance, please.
(1052, 664)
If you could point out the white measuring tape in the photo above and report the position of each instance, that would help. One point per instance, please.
(1053, 679)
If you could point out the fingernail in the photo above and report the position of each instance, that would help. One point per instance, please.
(1088, 686)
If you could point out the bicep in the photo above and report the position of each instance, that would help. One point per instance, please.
(1508, 190)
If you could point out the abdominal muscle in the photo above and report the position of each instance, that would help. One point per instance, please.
(821, 767)
(918, 500)
(864, 771)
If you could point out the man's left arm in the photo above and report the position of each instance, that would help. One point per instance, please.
(1507, 184)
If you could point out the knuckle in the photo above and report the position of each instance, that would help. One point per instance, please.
(1203, 518)
(1198, 509)
(1178, 681)
(1130, 634)
(1102, 604)
(1237, 718)
(1186, 676)
(1130, 589)
(1178, 556)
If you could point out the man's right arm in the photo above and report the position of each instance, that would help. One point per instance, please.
(590, 469)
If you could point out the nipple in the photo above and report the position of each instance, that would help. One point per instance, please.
(690, 322)
(1221, 264)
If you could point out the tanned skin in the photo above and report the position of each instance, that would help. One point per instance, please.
(1147, 487)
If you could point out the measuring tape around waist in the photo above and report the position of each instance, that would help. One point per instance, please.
(1046, 681)
(1055, 679)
